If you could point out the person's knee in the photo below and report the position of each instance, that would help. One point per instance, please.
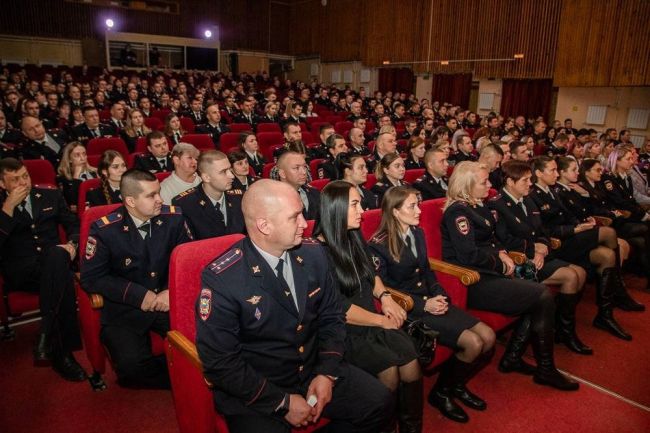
(472, 344)
(489, 337)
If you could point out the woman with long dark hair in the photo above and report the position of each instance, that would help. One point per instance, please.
(110, 168)
(374, 341)
(401, 257)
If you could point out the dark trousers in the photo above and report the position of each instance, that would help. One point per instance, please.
(50, 276)
(130, 350)
(360, 404)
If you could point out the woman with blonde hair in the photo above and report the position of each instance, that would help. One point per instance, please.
(134, 129)
(72, 171)
(469, 239)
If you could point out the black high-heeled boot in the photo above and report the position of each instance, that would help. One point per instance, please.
(622, 298)
(565, 324)
(440, 396)
(512, 360)
(604, 298)
(546, 373)
(409, 410)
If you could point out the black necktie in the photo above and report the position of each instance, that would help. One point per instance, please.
(163, 163)
(409, 243)
(145, 229)
(522, 207)
(22, 210)
(220, 218)
(283, 283)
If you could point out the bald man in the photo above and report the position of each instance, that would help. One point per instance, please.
(292, 169)
(270, 328)
(39, 144)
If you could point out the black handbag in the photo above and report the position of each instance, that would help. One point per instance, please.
(527, 271)
(424, 338)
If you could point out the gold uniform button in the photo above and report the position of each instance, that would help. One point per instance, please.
(38, 249)
(35, 236)
(419, 284)
(300, 368)
(301, 349)
(417, 270)
(33, 226)
(153, 275)
(299, 328)
(425, 298)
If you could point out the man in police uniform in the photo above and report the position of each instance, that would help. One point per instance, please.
(91, 128)
(39, 143)
(212, 208)
(159, 158)
(270, 329)
(34, 260)
(292, 169)
(433, 184)
(328, 169)
(213, 126)
(126, 261)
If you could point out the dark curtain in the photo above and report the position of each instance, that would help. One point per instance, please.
(530, 98)
(452, 88)
(396, 80)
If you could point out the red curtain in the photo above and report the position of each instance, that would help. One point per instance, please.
(530, 98)
(396, 80)
(452, 88)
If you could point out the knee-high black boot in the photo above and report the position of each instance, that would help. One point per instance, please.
(622, 298)
(604, 298)
(565, 323)
(440, 396)
(512, 360)
(463, 371)
(546, 373)
(409, 411)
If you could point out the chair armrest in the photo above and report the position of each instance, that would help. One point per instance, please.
(465, 275)
(625, 213)
(96, 301)
(188, 349)
(603, 221)
(402, 299)
(517, 257)
(555, 243)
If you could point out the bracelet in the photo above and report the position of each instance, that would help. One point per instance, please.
(382, 294)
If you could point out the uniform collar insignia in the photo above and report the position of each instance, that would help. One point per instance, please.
(254, 299)
(37, 195)
(127, 261)
(159, 222)
(287, 292)
(202, 202)
(256, 269)
(299, 259)
(125, 228)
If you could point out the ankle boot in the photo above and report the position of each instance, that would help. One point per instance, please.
(565, 324)
(512, 360)
(463, 371)
(440, 396)
(604, 298)
(410, 408)
(546, 373)
(622, 298)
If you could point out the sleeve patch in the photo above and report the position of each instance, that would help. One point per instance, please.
(91, 247)
(205, 304)
(462, 225)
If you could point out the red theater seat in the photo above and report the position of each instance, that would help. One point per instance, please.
(228, 141)
(97, 146)
(268, 127)
(187, 125)
(240, 127)
(200, 141)
(313, 167)
(192, 398)
(154, 123)
(41, 171)
(412, 175)
(319, 184)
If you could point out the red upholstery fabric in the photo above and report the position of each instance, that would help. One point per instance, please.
(319, 184)
(411, 176)
(228, 141)
(308, 137)
(85, 186)
(341, 127)
(370, 181)
(370, 222)
(240, 127)
(268, 139)
(187, 125)
(268, 127)
(200, 141)
(154, 123)
(313, 166)
(309, 231)
(266, 170)
(41, 171)
(162, 176)
(97, 146)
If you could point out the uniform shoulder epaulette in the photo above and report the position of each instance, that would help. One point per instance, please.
(495, 198)
(380, 238)
(310, 241)
(109, 219)
(45, 186)
(170, 210)
(421, 179)
(379, 183)
(235, 192)
(186, 192)
(225, 261)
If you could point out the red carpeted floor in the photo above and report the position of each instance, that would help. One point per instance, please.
(37, 400)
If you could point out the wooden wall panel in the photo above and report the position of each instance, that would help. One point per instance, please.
(604, 43)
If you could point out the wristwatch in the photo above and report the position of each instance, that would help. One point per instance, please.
(283, 409)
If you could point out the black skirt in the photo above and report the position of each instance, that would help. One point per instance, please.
(549, 268)
(576, 248)
(500, 294)
(375, 349)
(450, 325)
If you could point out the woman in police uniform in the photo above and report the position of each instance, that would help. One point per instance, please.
(468, 239)
(583, 243)
(390, 171)
(374, 342)
(519, 228)
(401, 258)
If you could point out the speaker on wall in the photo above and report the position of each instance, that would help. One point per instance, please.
(234, 63)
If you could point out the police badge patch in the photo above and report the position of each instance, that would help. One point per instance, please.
(462, 225)
(91, 247)
(205, 304)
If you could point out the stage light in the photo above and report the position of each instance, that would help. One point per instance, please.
(207, 34)
(110, 23)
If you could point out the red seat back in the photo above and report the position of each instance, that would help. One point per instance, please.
(228, 141)
(85, 186)
(41, 171)
(308, 138)
(371, 180)
(319, 184)
(268, 127)
(187, 125)
(154, 123)
(97, 146)
(240, 127)
(268, 139)
(200, 141)
(370, 222)
(309, 231)
(313, 167)
(266, 170)
(412, 175)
